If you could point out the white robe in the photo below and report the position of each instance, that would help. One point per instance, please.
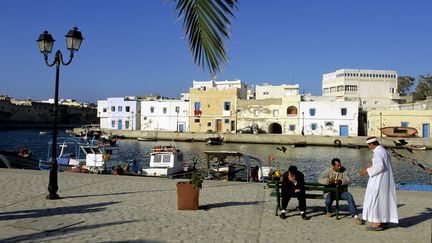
(380, 198)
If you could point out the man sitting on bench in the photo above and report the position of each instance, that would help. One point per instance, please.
(293, 185)
(337, 175)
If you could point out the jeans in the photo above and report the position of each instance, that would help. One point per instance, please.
(346, 196)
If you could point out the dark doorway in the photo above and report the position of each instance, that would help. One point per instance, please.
(275, 128)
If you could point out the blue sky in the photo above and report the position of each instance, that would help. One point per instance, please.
(137, 47)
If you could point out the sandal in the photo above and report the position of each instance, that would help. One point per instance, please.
(370, 228)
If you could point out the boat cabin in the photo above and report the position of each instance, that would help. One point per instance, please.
(165, 160)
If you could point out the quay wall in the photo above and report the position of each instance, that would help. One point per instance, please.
(281, 139)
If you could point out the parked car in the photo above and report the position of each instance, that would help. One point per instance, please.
(246, 129)
(250, 129)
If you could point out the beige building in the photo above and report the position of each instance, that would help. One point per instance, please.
(279, 116)
(419, 119)
(213, 109)
(267, 91)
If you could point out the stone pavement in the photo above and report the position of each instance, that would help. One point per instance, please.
(105, 208)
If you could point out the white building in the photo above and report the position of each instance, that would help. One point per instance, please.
(371, 87)
(329, 118)
(267, 91)
(121, 113)
(245, 92)
(165, 115)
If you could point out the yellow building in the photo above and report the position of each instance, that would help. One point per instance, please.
(419, 119)
(213, 109)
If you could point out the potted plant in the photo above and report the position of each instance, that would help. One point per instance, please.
(188, 192)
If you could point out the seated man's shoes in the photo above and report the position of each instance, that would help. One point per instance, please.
(282, 215)
(358, 221)
(328, 215)
(304, 217)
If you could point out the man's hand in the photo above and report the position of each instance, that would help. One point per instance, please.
(331, 181)
(363, 172)
(297, 190)
(338, 182)
(292, 178)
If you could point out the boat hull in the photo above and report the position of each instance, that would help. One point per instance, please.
(17, 162)
(401, 132)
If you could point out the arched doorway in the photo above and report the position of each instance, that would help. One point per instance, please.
(275, 128)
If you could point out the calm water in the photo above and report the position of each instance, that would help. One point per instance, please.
(311, 160)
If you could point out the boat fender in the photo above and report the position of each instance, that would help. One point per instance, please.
(337, 143)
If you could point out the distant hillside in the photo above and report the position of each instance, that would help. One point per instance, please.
(37, 114)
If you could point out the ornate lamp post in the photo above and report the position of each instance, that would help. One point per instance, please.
(46, 42)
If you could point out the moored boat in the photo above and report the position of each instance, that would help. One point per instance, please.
(402, 132)
(167, 160)
(18, 159)
(215, 140)
(149, 139)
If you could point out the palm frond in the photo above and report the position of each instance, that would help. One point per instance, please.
(207, 26)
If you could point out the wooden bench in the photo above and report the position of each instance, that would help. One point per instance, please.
(310, 188)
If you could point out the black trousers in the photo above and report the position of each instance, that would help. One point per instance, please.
(287, 194)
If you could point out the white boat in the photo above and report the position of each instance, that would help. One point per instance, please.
(78, 156)
(166, 161)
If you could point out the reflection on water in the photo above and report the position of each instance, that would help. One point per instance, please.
(311, 160)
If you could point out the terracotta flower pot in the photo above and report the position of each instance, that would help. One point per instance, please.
(187, 196)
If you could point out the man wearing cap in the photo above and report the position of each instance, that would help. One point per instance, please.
(379, 205)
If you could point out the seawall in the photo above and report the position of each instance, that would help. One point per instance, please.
(282, 139)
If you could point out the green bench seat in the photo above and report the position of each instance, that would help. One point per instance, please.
(314, 190)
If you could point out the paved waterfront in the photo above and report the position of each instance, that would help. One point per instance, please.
(104, 208)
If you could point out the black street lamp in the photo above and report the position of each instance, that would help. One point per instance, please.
(302, 132)
(177, 110)
(46, 43)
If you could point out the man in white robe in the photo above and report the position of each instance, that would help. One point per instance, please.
(379, 204)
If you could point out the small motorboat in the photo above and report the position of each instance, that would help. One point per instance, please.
(353, 146)
(215, 140)
(147, 139)
(299, 144)
(402, 132)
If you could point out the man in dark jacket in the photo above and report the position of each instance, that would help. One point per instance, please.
(293, 185)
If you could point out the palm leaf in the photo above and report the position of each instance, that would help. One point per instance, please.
(207, 26)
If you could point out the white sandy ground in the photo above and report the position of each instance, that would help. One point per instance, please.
(105, 208)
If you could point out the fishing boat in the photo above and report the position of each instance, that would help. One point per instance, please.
(167, 160)
(414, 187)
(78, 156)
(402, 132)
(18, 159)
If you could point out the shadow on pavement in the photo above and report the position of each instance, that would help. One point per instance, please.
(45, 236)
(414, 220)
(228, 204)
(35, 213)
(115, 193)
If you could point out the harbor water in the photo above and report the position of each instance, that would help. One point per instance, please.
(312, 160)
